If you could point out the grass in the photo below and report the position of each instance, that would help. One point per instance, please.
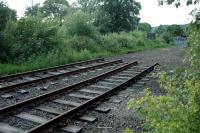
(80, 48)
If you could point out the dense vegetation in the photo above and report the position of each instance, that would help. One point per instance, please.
(167, 32)
(56, 33)
(178, 111)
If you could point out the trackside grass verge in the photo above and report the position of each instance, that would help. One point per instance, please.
(80, 48)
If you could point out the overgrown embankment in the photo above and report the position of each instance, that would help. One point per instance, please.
(32, 43)
(179, 109)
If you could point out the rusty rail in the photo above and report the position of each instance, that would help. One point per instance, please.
(48, 69)
(13, 87)
(52, 123)
(30, 101)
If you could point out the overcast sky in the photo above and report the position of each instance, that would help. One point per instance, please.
(150, 13)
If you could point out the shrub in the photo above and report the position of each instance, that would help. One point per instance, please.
(177, 111)
(80, 43)
(38, 47)
(30, 37)
(79, 24)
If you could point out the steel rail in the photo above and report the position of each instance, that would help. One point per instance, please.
(48, 69)
(51, 94)
(13, 87)
(55, 121)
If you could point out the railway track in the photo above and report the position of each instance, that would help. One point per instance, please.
(43, 86)
(11, 82)
(44, 112)
(19, 75)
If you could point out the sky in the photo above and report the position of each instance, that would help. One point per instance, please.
(150, 13)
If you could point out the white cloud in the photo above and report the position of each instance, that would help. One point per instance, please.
(150, 12)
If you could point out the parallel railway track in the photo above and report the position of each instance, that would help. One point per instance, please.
(49, 69)
(46, 111)
(54, 75)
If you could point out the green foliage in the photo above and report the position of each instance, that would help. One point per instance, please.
(33, 11)
(111, 16)
(145, 27)
(49, 35)
(161, 29)
(3, 48)
(30, 37)
(127, 131)
(79, 24)
(177, 3)
(167, 37)
(121, 13)
(76, 48)
(6, 14)
(194, 45)
(87, 6)
(55, 8)
(175, 30)
(179, 109)
(167, 32)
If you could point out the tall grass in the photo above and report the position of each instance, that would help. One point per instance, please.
(78, 48)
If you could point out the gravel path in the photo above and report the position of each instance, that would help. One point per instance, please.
(119, 117)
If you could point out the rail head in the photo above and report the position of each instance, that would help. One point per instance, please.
(54, 122)
(19, 85)
(48, 95)
(47, 69)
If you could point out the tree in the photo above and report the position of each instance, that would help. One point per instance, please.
(55, 8)
(29, 37)
(161, 29)
(32, 11)
(79, 24)
(112, 15)
(88, 6)
(175, 30)
(120, 13)
(6, 14)
(167, 32)
(177, 3)
(178, 110)
(145, 27)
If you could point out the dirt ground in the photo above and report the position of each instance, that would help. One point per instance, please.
(119, 117)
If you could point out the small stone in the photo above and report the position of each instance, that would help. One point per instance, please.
(54, 83)
(75, 76)
(7, 96)
(116, 101)
(65, 79)
(28, 78)
(44, 88)
(23, 91)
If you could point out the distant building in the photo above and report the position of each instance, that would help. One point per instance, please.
(178, 40)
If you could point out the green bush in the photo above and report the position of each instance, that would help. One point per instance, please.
(79, 24)
(29, 37)
(178, 111)
(34, 43)
(127, 131)
(80, 43)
